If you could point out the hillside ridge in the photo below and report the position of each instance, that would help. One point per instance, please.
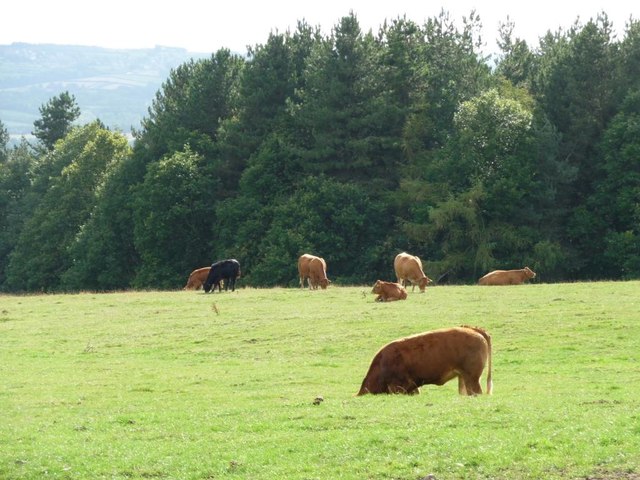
(115, 85)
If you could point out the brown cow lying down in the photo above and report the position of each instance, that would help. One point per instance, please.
(436, 357)
(507, 277)
(197, 278)
(388, 291)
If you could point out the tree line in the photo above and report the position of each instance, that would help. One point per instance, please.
(353, 146)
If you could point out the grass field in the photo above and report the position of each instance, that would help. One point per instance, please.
(183, 385)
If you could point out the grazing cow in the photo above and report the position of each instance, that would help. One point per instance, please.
(314, 270)
(303, 268)
(435, 357)
(227, 270)
(388, 291)
(507, 277)
(318, 273)
(197, 278)
(409, 267)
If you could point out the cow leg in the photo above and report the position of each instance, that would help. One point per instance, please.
(472, 384)
(396, 388)
(232, 282)
(462, 389)
(405, 386)
(413, 388)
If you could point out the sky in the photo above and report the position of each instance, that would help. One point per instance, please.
(205, 26)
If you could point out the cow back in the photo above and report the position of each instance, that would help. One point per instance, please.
(228, 270)
(428, 358)
(303, 264)
(318, 272)
(389, 290)
(409, 267)
(197, 278)
(507, 277)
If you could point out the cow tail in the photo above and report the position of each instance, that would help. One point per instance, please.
(487, 337)
(489, 379)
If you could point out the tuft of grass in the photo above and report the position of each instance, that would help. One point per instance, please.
(183, 385)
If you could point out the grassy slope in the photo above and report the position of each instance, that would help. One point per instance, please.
(159, 385)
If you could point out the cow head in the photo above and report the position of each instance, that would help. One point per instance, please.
(324, 283)
(529, 273)
(424, 281)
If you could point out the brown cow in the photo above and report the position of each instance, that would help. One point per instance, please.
(507, 277)
(388, 291)
(303, 268)
(318, 273)
(314, 270)
(436, 357)
(409, 267)
(197, 278)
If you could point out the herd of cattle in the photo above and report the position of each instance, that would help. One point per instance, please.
(313, 270)
(406, 364)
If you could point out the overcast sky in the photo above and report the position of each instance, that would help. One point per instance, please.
(206, 26)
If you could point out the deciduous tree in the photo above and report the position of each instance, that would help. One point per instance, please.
(52, 229)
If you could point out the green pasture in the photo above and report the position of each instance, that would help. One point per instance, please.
(184, 385)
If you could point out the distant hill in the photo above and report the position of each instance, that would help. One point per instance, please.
(116, 86)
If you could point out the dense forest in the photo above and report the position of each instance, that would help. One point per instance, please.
(353, 146)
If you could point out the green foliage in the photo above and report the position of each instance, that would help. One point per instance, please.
(616, 201)
(353, 146)
(173, 215)
(549, 258)
(451, 72)
(190, 107)
(57, 117)
(577, 87)
(15, 184)
(336, 221)
(343, 114)
(622, 253)
(487, 191)
(51, 230)
(4, 142)
(516, 62)
(104, 254)
(490, 130)
(268, 81)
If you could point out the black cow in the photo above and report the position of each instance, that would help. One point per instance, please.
(227, 270)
